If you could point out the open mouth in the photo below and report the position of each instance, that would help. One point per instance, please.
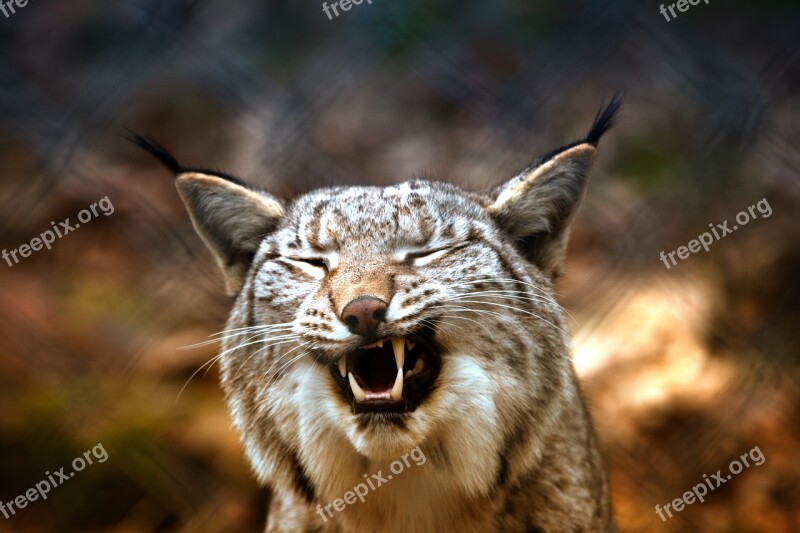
(392, 375)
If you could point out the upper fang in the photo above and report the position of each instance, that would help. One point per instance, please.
(399, 346)
(343, 366)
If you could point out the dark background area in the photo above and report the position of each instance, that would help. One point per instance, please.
(684, 369)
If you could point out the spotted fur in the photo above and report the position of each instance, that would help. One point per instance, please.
(509, 443)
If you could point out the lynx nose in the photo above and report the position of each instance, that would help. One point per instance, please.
(363, 315)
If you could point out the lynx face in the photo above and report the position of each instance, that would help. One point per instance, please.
(405, 306)
(369, 321)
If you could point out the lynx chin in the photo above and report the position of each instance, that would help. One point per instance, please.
(371, 320)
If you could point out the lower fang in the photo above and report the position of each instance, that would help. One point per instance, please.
(397, 389)
(358, 392)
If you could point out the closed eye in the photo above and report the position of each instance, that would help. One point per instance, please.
(315, 267)
(424, 257)
(313, 261)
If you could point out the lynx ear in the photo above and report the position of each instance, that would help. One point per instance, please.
(229, 216)
(231, 220)
(536, 207)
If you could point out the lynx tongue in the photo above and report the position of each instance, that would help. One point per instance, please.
(375, 377)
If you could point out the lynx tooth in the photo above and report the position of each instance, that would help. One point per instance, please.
(358, 392)
(397, 389)
(399, 346)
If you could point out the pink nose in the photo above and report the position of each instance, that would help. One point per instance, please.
(363, 315)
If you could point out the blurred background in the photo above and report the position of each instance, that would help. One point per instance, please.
(685, 369)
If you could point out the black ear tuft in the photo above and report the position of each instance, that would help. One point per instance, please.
(604, 120)
(154, 148)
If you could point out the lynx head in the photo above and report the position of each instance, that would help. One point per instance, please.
(370, 320)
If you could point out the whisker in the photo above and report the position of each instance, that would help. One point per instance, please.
(518, 295)
(463, 318)
(465, 298)
(282, 357)
(272, 379)
(260, 326)
(210, 361)
(537, 290)
(263, 348)
(217, 357)
(486, 312)
(516, 309)
(222, 339)
(458, 327)
(260, 341)
(311, 367)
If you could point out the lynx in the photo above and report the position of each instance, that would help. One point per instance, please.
(372, 320)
